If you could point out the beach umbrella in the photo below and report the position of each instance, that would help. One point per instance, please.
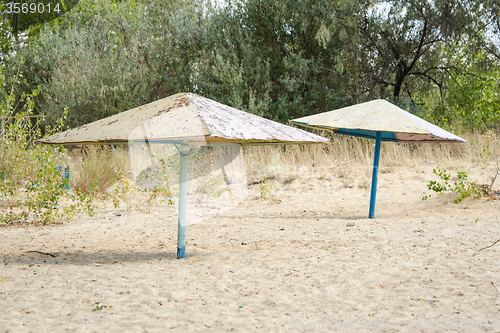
(185, 120)
(379, 120)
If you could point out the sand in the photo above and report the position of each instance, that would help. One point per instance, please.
(307, 259)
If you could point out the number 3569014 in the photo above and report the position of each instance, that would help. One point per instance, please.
(32, 8)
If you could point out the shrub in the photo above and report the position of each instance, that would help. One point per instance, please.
(31, 187)
(462, 187)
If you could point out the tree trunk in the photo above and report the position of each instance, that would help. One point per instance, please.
(15, 19)
(400, 77)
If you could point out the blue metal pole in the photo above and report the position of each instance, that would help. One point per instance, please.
(182, 218)
(373, 197)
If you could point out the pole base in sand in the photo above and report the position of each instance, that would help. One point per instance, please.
(181, 252)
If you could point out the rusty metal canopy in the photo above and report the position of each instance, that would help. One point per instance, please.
(366, 119)
(186, 118)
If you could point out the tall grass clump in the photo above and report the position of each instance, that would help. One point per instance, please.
(350, 157)
(96, 168)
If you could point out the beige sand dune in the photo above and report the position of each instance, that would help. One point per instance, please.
(283, 265)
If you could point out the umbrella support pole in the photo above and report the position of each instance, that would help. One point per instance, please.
(182, 219)
(373, 196)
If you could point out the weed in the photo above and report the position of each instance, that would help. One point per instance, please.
(267, 191)
(462, 187)
(100, 306)
(136, 197)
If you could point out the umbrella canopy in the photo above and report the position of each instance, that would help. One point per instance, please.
(366, 119)
(381, 121)
(184, 119)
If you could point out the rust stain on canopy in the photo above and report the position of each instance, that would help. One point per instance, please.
(184, 117)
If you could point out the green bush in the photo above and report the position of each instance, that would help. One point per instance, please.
(31, 187)
(462, 187)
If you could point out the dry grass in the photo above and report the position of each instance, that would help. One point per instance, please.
(347, 158)
(92, 165)
(352, 158)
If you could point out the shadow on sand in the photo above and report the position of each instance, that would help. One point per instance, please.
(94, 258)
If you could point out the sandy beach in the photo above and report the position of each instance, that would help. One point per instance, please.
(307, 260)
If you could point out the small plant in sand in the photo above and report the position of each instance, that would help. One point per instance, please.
(462, 187)
(135, 197)
(267, 191)
(211, 186)
(153, 185)
(100, 306)
(123, 192)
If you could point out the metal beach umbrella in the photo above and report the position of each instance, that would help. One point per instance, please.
(185, 120)
(379, 120)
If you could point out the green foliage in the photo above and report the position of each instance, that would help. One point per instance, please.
(267, 189)
(28, 14)
(21, 21)
(267, 57)
(277, 59)
(473, 97)
(30, 184)
(135, 197)
(467, 98)
(100, 306)
(105, 63)
(6, 41)
(462, 187)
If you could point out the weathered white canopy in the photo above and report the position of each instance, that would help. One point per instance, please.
(187, 118)
(365, 119)
(382, 121)
(184, 119)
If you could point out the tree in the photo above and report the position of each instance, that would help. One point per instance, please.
(269, 57)
(103, 58)
(471, 100)
(29, 14)
(484, 31)
(280, 59)
(404, 41)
